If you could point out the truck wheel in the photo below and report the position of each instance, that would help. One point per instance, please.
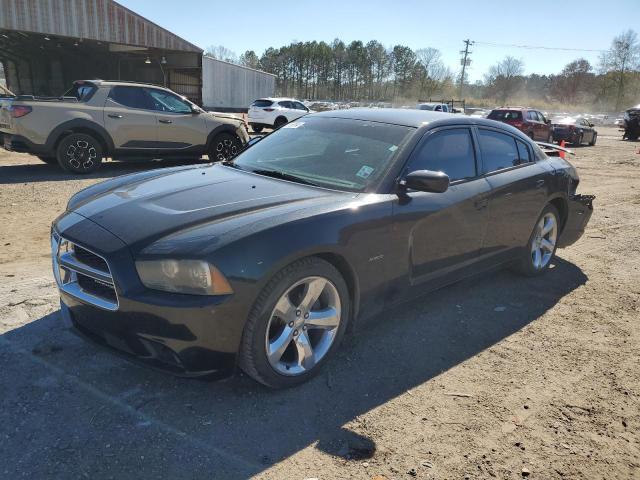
(224, 147)
(49, 160)
(79, 153)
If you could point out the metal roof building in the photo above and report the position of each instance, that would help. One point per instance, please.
(46, 44)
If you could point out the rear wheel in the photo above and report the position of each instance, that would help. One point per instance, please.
(224, 147)
(594, 139)
(79, 153)
(280, 122)
(296, 324)
(542, 244)
(256, 128)
(49, 160)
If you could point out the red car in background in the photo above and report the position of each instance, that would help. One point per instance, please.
(529, 121)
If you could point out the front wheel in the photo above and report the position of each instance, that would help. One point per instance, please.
(542, 244)
(224, 147)
(296, 324)
(578, 142)
(79, 153)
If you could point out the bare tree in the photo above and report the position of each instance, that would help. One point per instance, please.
(432, 72)
(622, 58)
(250, 59)
(505, 78)
(572, 81)
(220, 52)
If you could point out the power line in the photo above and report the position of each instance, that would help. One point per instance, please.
(538, 47)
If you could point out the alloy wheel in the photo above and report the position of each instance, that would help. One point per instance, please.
(226, 149)
(303, 326)
(81, 155)
(544, 241)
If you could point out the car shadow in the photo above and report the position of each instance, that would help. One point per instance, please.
(42, 172)
(84, 411)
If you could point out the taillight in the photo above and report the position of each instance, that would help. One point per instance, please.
(269, 109)
(17, 111)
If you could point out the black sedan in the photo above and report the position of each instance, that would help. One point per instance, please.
(576, 131)
(265, 262)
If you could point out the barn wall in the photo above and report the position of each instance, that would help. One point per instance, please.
(226, 86)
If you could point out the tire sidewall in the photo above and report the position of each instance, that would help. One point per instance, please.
(63, 146)
(526, 264)
(261, 314)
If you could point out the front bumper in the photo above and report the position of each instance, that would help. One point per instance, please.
(580, 208)
(187, 335)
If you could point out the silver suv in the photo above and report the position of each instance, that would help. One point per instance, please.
(97, 119)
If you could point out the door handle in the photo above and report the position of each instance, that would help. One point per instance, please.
(162, 120)
(114, 115)
(480, 204)
(540, 183)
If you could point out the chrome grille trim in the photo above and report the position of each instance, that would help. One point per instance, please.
(68, 271)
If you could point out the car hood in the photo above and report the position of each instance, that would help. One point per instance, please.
(143, 208)
(223, 117)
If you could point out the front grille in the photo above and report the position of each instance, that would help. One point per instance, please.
(83, 274)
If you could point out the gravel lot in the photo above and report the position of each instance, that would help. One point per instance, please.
(495, 377)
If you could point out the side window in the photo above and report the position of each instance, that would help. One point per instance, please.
(523, 152)
(449, 151)
(541, 117)
(498, 151)
(133, 97)
(285, 104)
(167, 102)
(532, 116)
(299, 106)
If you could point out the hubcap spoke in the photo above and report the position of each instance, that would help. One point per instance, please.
(326, 319)
(284, 308)
(306, 357)
(537, 258)
(312, 292)
(547, 245)
(280, 344)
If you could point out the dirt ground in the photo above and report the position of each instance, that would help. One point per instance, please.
(496, 377)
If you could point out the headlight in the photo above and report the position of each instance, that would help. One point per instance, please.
(183, 276)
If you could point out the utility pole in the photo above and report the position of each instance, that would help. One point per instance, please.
(465, 61)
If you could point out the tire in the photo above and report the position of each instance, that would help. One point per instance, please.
(593, 140)
(49, 160)
(292, 329)
(256, 128)
(578, 143)
(528, 264)
(224, 147)
(280, 122)
(79, 153)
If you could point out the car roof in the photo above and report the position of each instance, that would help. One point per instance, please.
(111, 83)
(514, 108)
(278, 99)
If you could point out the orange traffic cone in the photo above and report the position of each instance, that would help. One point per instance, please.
(562, 144)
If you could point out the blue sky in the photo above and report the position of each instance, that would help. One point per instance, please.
(253, 25)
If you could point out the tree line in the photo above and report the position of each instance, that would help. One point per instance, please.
(360, 71)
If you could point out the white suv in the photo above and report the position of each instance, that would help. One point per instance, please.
(274, 112)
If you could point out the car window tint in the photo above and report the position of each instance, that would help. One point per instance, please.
(498, 151)
(285, 104)
(134, 97)
(299, 106)
(167, 102)
(449, 151)
(262, 103)
(532, 116)
(523, 152)
(541, 117)
(503, 115)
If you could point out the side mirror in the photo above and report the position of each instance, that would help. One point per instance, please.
(195, 109)
(591, 124)
(547, 121)
(426, 181)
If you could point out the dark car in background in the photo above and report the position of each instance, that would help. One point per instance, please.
(574, 130)
(529, 121)
(266, 261)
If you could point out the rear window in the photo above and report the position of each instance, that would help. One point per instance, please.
(262, 103)
(82, 91)
(503, 115)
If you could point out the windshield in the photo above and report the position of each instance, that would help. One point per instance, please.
(504, 115)
(343, 154)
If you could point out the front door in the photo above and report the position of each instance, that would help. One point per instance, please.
(130, 119)
(439, 234)
(179, 128)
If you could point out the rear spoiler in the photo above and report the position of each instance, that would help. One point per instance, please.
(554, 149)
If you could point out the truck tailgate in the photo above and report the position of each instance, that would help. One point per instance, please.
(6, 122)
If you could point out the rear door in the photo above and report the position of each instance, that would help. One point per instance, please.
(519, 190)
(442, 232)
(130, 119)
(179, 128)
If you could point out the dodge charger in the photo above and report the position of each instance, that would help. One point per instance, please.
(264, 262)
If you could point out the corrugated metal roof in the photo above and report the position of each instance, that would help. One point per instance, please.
(101, 20)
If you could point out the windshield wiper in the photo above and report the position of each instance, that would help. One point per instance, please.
(284, 176)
